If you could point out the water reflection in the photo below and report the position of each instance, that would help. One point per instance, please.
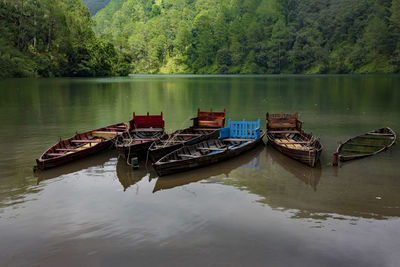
(308, 175)
(249, 160)
(128, 176)
(95, 160)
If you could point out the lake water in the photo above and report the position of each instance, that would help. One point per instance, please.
(259, 209)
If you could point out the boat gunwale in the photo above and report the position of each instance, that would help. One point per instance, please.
(247, 141)
(41, 161)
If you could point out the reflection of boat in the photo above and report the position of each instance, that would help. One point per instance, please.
(127, 176)
(285, 133)
(309, 176)
(80, 146)
(365, 145)
(205, 126)
(248, 160)
(92, 161)
(234, 140)
(143, 131)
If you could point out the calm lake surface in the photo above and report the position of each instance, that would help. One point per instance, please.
(259, 209)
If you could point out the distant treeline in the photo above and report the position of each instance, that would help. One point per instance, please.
(254, 36)
(53, 38)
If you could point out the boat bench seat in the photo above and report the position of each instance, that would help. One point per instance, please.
(104, 132)
(66, 149)
(55, 154)
(86, 141)
(187, 155)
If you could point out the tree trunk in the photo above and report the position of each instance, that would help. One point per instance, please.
(35, 25)
(49, 34)
(21, 14)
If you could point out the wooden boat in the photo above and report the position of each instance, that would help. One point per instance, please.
(79, 146)
(285, 133)
(143, 131)
(205, 126)
(365, 145)
(196, 175)
(237, 138)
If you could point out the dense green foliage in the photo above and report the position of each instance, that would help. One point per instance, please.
(52, 38)
(254, 36)
(95, 5)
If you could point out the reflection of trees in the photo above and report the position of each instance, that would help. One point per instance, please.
(34, 113)
(352, 192)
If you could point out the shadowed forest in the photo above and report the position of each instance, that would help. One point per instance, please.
(60, 38)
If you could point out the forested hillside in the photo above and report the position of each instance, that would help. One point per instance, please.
(254, 36)
(52, 38)
(95, 5)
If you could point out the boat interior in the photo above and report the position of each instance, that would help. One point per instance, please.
(367, 143)
(84, 141)
(208, 147)
(286, 130)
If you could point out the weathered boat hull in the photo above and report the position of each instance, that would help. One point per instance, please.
(163, 169)
(286, 135)
(378, 141)
(309, 157)
(157, 153)
(45, 163)
(138, 148)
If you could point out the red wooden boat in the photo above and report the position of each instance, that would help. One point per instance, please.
(205, 126)
(80, 146)
(285, 133)
(143, 131)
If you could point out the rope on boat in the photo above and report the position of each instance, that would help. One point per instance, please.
(172, 137)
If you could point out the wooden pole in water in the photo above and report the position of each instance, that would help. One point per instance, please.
(335, 159)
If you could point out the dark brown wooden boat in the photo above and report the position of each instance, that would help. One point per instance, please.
(205, 126)
(365, 145)
(79, 146)
(285, 133)
(143, 131)
(224, 168)
(233, 141)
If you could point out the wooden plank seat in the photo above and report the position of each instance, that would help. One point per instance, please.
(356, 151)
(86, 141)
(375, 137)
(187, 155)
(55, 154)
(67, 149)
(104, 132)
(211, 148)
(357, 144)
(291, 142)
(380, 134)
